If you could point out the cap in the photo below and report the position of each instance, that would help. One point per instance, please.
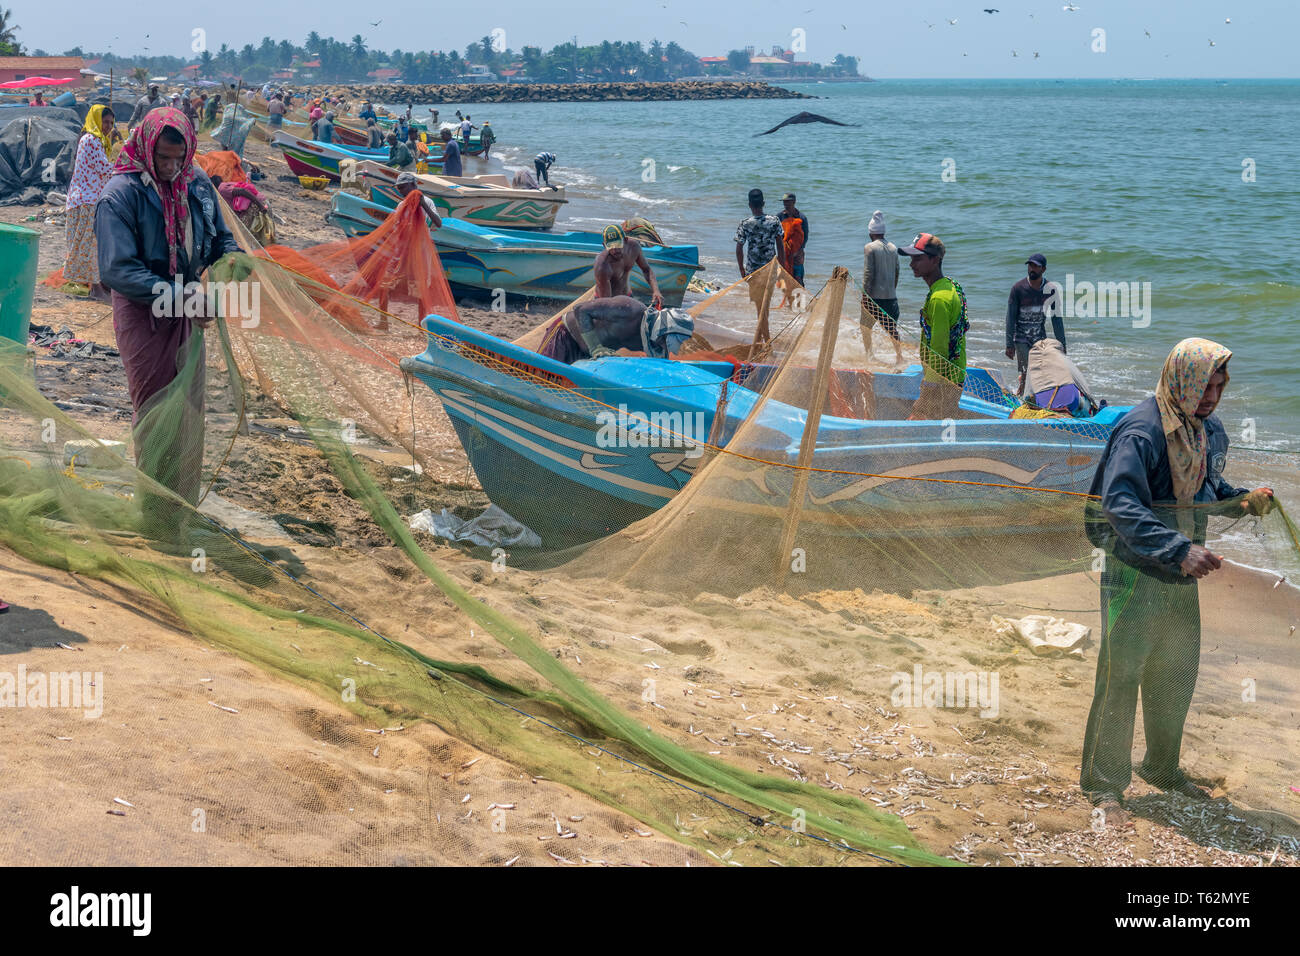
(755, 197)
(406, 178)
(612, 237)
(923, 245)
(789, 196)
(1038, 258)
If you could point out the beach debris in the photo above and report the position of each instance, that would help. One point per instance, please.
(465, 799)
(117, 813)
(512, 860)
(375, 752)
(470, 763)
(1045, 636)
(501, 806)
(66, 647)
(62, 738)
(229, 710)
(205, 680)
(578, 818)
(558, 858)
(641, 833)
(124, 802)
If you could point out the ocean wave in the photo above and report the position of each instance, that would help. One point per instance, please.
(633, 196)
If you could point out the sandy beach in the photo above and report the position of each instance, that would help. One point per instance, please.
(277, 772)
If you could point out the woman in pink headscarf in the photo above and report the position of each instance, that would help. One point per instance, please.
(158, 227)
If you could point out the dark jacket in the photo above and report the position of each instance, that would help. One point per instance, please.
(1133, 475)
(132, 246)
(1027, 315)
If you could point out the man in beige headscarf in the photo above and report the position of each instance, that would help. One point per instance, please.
(1154, 488)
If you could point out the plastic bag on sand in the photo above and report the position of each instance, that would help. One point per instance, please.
(1046, 636)
(493, 527)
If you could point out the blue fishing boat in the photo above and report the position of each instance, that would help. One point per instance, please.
(579, 451)
(545, 265)
(308, 157)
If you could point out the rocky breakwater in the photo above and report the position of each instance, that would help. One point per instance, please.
(563, 92)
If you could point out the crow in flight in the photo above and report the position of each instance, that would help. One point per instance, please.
(805, 118)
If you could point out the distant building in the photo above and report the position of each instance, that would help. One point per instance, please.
(478, 74)
(386, 74)
(55, 67)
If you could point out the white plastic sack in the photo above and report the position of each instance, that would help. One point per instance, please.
(493, 528)
(1046, 636)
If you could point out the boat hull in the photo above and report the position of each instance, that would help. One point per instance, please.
(467, 199)
(307, 157)
(539, 436)
(554, 266)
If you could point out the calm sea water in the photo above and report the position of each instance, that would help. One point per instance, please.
(1114, 181)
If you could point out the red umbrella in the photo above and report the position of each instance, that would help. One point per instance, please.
(36, 81)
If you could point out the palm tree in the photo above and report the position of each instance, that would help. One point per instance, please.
(9, 45)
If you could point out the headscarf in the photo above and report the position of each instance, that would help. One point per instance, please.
(93, 125)
(1183, 381)
(138, 157)
(877, 225)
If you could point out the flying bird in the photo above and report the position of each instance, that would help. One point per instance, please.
(805, 118)
(927, 23)
(1211, 43)
(990, 10)
(1147, 32)
(1014, 53)
(1227, 19)
(1070, 7)
(377, 22)
(952, 23)
(1035, 54)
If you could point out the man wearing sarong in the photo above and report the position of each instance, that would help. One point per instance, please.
(158, 224)
(1164, 458)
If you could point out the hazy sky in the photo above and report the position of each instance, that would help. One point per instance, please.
(892, 39)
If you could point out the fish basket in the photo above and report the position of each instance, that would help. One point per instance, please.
(313, 182)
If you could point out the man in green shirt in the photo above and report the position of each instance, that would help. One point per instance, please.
(399, 154)
(943, 331)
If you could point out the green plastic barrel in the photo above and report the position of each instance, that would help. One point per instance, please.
(18, 250)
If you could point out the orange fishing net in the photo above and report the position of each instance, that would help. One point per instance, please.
(396, 262)
(222, 163)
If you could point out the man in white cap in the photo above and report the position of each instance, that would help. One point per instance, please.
(880, 285)
(407, 184)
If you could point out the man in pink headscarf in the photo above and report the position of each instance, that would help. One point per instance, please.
(159, 227)
(1158, 480)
